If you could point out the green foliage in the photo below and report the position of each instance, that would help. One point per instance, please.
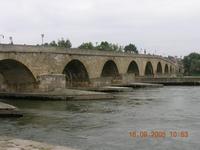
(192, 64)
(104, 45)
(46, 44)
(63, 43)
(60, 43)
(116, 47)
(53, 43)
(131, 48)
(88, 45)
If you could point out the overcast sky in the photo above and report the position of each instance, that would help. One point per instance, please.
(167, 27)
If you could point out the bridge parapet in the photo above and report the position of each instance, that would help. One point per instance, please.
(73, 51)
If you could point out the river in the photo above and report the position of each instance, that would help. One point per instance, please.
(105, 125)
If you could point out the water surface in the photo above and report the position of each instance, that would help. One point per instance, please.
(105, 125)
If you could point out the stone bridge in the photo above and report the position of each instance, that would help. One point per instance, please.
(24, 68)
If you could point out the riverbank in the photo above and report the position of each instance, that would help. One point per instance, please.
(104, 92)
(60, 94)
(7, 110)
(94, 93)
(175, 81)
(8, 143)
(140, 85)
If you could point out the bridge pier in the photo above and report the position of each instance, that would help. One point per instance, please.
(121, 79)
(50, 82)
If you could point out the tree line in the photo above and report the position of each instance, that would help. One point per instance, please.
(60, 43)
(104, 45)
(192, 64)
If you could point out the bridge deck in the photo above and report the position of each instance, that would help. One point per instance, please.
(73, 51)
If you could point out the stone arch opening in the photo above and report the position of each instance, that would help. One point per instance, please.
(159, 69)
(76, 74)
(149, 69)
(110, 69)
(15, 76)
(166, 69)
(133, 68)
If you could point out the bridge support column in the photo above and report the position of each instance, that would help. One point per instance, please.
(102, 81)
(50, 82)
(121, 79)
(128, 78)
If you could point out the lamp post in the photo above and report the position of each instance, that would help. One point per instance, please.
(11, 40)
(1, 35)
(42, 35)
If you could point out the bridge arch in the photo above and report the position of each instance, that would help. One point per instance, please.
(166, 69)
(16, 76)
(133, 68)
(110, 69)
(149, 69)
(159, 69)
(76, 73)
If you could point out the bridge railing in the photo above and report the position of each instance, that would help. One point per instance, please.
(75, 51)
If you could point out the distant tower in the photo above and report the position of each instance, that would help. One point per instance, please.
(42, 35)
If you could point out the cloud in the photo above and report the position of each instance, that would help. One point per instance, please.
(169, 26)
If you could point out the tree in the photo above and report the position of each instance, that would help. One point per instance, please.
(68, 44)
(63, 43)
(60, 43)
(53, 43)
(195, 66)
(192, 64)
(131, 48)
(104, 46)
(88, 45)
(46, 44)
(116, 47)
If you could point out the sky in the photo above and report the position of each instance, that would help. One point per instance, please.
(163, 27)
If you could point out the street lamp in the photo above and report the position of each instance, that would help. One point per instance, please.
(11, 40)
(42, 35)
(1, 35)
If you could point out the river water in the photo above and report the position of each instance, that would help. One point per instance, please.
(105, 125)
